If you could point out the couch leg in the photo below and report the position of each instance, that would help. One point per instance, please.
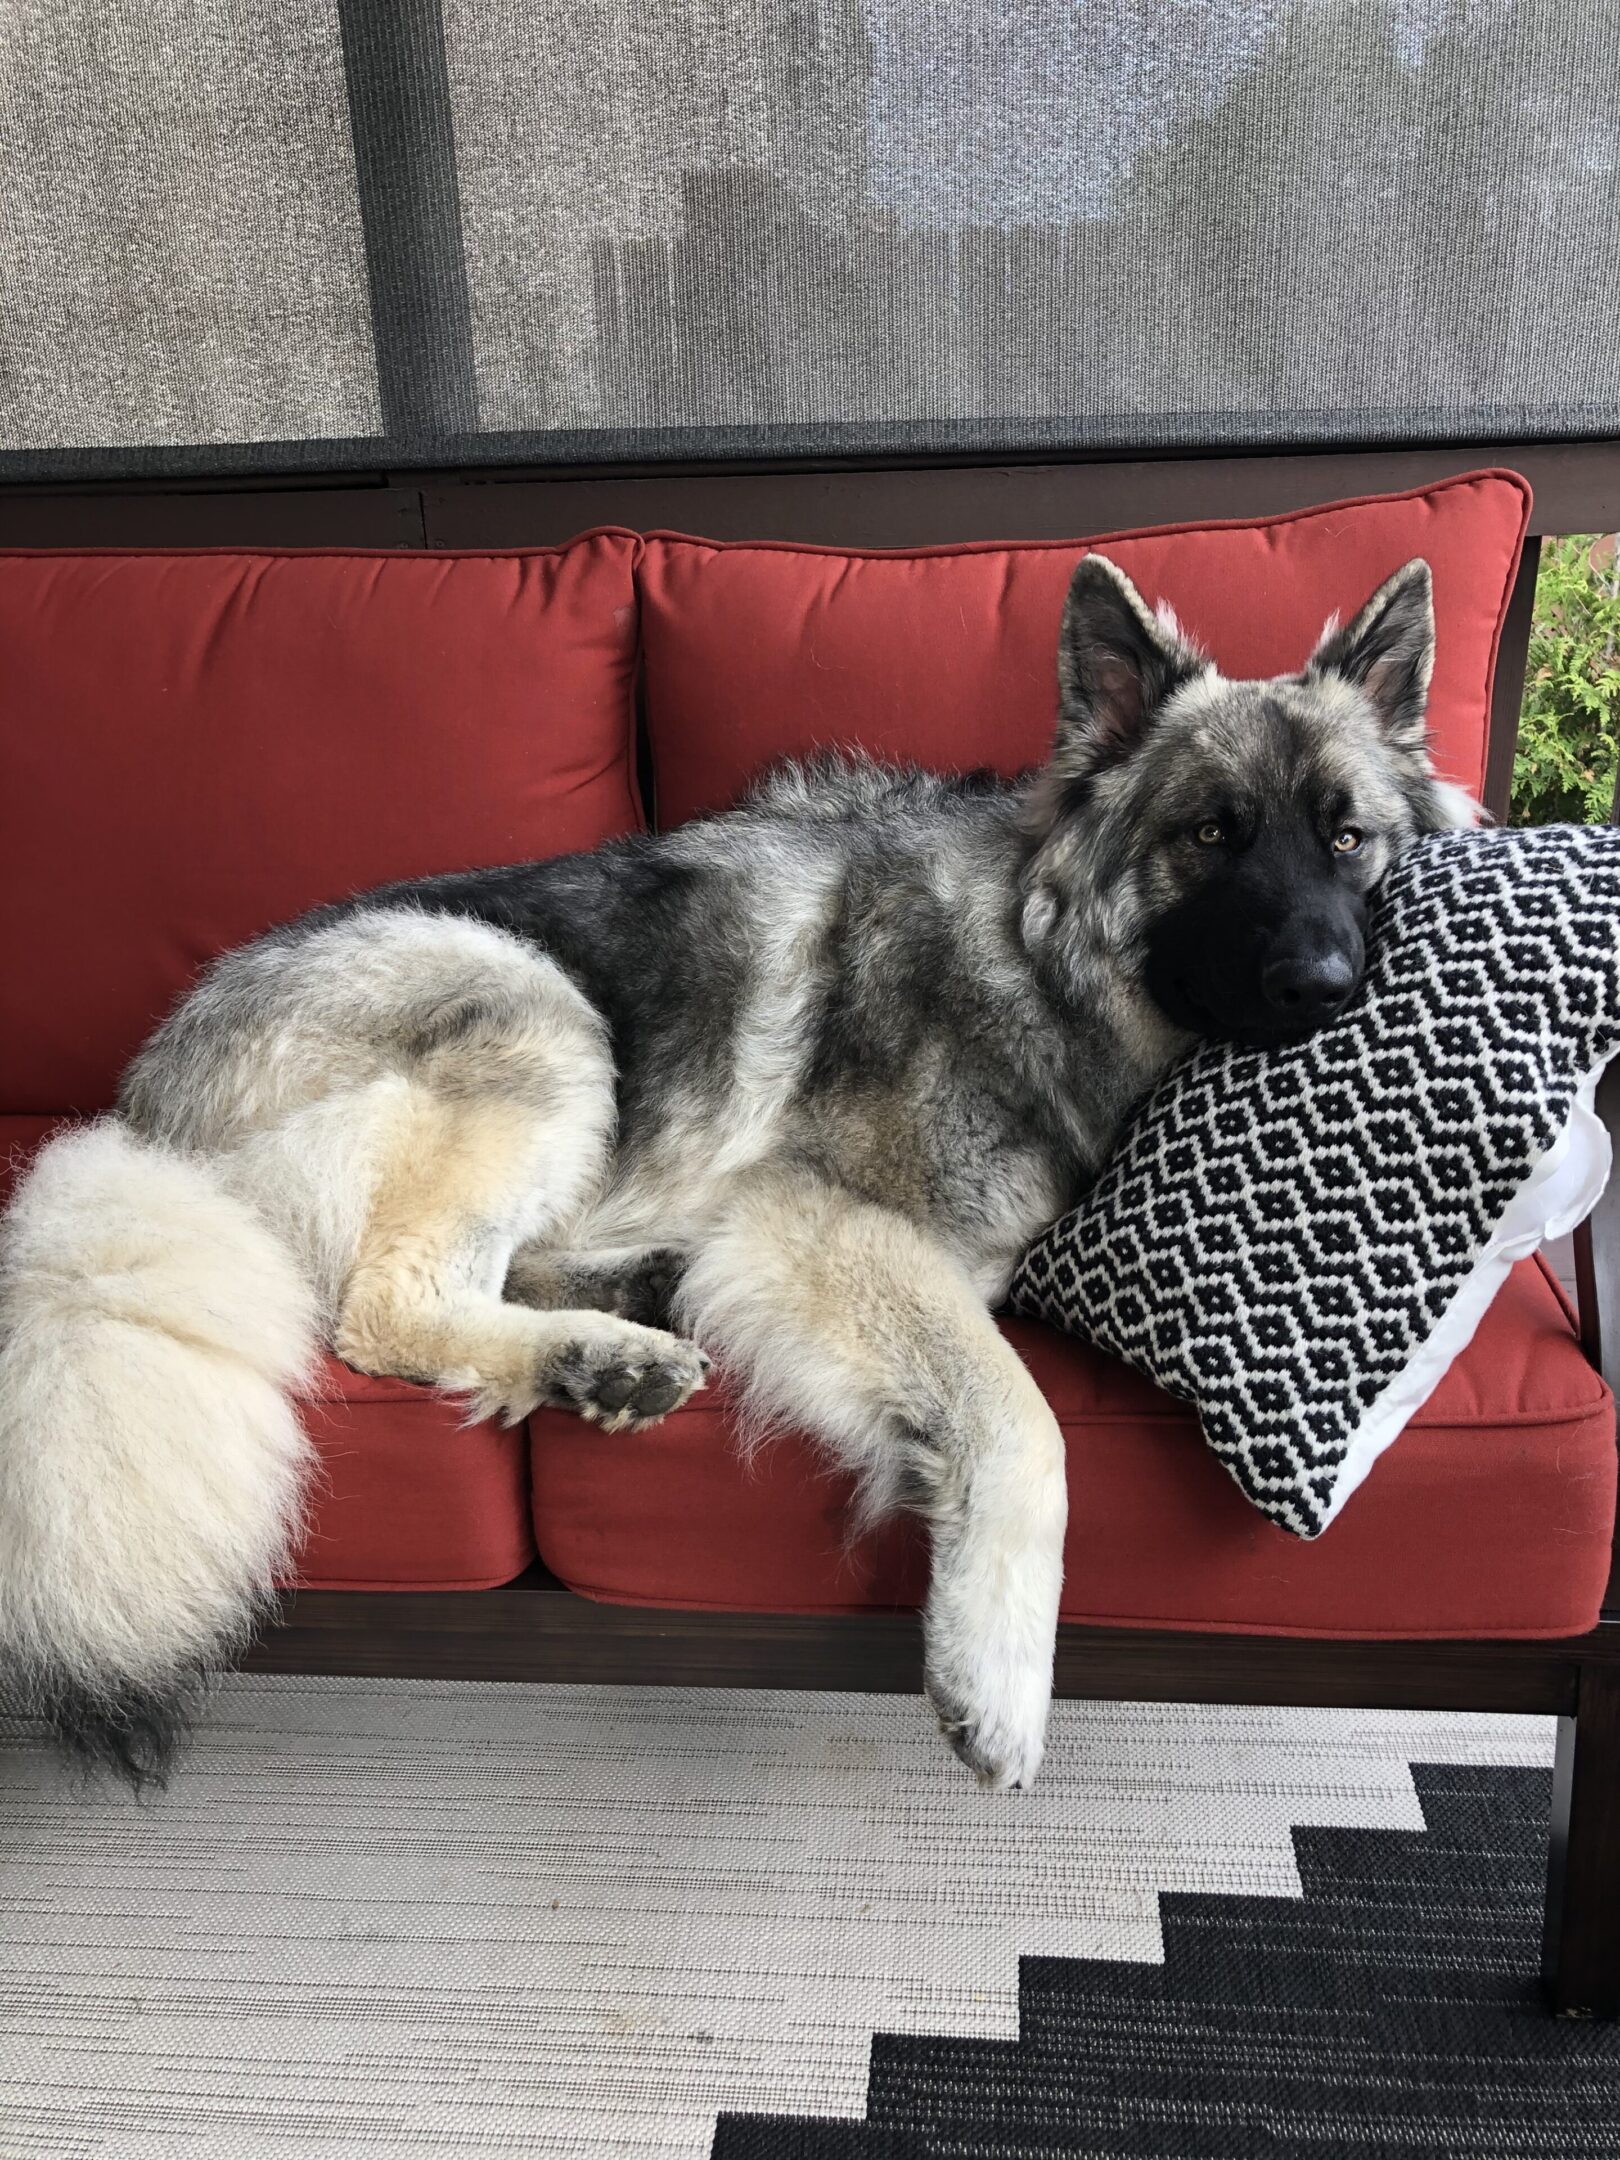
(1581, 1949)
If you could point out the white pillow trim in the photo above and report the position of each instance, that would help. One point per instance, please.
(1561, 1191)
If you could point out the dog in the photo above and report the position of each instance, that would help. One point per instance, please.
(796, 1083)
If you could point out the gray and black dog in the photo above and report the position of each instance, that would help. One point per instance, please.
(797, 1083)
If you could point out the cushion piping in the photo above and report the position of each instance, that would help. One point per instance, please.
(1147, 1623)
(1501, 473)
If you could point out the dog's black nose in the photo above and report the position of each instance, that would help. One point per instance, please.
(1306, 988)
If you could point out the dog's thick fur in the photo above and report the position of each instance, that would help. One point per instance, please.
(797, 1083)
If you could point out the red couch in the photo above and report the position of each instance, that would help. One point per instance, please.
(200, 743)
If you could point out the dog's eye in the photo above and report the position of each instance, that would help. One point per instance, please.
(1210, 834)
(1347, 840)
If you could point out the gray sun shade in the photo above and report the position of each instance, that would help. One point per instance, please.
(345, 231)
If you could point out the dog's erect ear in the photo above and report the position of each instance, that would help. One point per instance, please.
(1117, 663)
(1388, 652)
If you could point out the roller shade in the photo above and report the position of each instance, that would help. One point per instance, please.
(352, 232)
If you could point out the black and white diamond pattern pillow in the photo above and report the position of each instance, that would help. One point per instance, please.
(1300, 1241)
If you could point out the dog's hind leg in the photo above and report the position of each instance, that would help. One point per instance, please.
(408, 1099)
(848, 1321)
(458, 1184)
(495, 1127)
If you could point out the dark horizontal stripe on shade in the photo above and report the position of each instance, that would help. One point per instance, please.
(1222, 434)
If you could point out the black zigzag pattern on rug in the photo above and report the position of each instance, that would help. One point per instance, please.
(1393, 2011)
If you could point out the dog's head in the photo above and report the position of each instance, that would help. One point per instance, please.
(1222, 838)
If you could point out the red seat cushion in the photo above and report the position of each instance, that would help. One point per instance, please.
(1493, 1515)
(947, 655)
(200, 744)
(404, 1497)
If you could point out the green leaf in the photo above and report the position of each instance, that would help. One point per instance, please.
(1569, 728)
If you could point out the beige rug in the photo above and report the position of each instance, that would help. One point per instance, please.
(428, 1919)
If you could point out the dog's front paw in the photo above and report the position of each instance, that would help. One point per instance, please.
(1001, 1737)
(990, 1629)
(623, 1376)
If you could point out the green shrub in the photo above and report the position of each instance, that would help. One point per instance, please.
(1568, 731)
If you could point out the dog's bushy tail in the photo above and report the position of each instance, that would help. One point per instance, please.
(151, 1465)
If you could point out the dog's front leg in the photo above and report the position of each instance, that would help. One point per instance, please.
(844, 1319)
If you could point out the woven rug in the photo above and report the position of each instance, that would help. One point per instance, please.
(417, 1919)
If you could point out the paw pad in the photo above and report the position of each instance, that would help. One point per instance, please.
(625, 1386)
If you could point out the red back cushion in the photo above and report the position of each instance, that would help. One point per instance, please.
(946, 656)
(199, 744)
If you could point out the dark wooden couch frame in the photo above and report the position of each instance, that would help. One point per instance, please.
(537, 1630)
